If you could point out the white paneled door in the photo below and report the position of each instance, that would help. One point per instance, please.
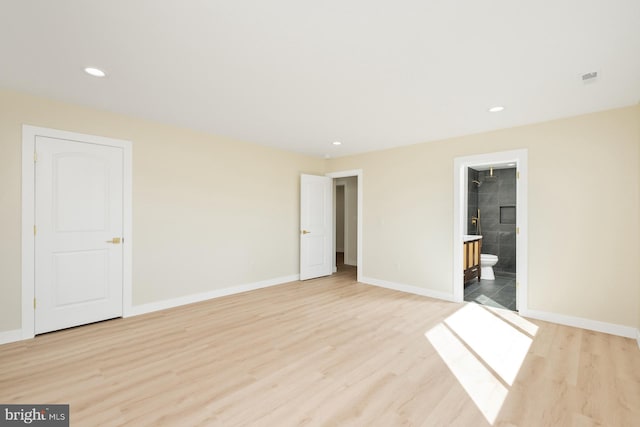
(316, 226)
(78, 234)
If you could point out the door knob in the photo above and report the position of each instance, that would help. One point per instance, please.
(305, 232)
(115, 241)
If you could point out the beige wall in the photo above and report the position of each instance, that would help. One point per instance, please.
(212, 213)
(584, 183)
(208, 212)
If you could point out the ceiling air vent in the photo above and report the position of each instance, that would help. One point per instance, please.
(590, 76)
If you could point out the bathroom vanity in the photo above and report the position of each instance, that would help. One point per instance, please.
(472, 249)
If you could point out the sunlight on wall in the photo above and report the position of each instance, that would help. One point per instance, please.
(484, 348)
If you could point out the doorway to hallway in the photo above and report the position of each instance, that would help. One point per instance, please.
(318, 223)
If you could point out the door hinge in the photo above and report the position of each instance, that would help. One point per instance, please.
(35, 156)
(517, 284)
(34, 230)
(517, 230)
(34, 303)
(518, 175)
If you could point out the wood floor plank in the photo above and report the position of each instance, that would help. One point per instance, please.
(327, 351)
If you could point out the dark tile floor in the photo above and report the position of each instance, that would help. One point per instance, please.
(500, 293)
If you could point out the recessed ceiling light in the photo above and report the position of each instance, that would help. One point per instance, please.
(337, 143)
(95, 72)
(496, 109)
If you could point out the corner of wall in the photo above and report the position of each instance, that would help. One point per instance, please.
(407, 289)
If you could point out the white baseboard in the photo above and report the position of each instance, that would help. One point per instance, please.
(579, 322)
(407, 288)
(594, 325)
(190, 299)
(10, 336)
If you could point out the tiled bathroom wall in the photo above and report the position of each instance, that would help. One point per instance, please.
(472, 200)
(496, 200)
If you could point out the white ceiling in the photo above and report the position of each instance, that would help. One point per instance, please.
(299, 74)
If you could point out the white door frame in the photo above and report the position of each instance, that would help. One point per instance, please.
(346, 174)
(29, 134)
(460, 166)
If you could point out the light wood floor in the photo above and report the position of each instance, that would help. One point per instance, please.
(328, 351)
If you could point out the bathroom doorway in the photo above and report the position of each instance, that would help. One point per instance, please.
(490, 209)
(491, 221)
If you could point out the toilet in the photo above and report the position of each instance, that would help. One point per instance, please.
(487, 261)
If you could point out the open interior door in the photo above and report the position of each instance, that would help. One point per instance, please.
(316, 226)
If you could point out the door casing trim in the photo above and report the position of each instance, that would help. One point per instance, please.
(29, 134)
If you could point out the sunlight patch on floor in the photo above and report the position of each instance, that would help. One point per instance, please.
(486, 391)
(485, 300)
(499, 344)
(513, 318)
(476, 338)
